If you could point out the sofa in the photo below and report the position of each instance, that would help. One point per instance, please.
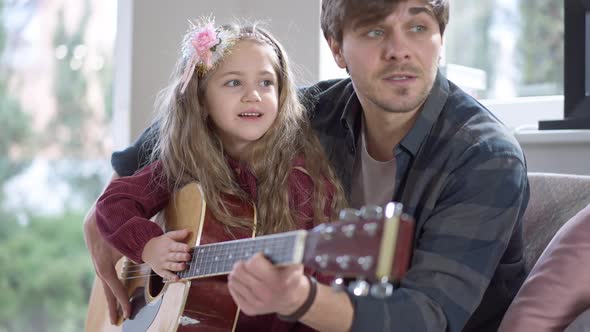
(556, 294)
(555, 198)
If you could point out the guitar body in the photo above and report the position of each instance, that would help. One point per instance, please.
(377, 249)
(202, 304)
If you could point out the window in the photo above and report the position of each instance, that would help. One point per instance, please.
(55, 109)
(498, 49)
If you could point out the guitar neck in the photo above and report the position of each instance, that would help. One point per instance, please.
(219, 258)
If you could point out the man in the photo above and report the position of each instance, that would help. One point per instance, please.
(398, 130)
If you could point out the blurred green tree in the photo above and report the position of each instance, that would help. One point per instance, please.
(14, 123)
(45, 276)
(69, 130)
(46, 273)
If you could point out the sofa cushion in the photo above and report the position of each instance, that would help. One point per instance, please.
(555, 198)
(557, 289)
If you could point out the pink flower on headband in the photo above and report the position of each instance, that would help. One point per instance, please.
(203, 41)
(203, 46)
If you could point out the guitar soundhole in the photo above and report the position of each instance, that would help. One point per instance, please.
(156, 285)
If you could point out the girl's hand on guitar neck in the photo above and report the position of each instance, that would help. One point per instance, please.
(167, 254)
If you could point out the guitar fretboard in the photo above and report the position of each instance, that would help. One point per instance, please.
(219, 258)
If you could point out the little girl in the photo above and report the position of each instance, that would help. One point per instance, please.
(231, 120)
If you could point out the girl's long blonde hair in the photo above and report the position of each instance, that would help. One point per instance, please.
(190, 150)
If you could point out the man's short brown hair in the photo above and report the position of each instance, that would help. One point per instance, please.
(336, 12)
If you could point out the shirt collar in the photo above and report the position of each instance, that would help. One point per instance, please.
(352, 111)
(431, 109)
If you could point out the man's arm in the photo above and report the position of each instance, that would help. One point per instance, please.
(455, 258)
(104, 257)
(138, 154)
(258, 287)
(459, 249)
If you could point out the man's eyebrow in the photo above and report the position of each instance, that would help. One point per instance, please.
(368, 20)
(379, 17)
(418, 10)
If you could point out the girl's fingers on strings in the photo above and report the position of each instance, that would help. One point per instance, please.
(177, 267)
(168, 276)
(179, 257)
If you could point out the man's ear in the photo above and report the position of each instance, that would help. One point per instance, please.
(336, 49)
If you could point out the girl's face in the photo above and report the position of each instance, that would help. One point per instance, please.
(241, 96)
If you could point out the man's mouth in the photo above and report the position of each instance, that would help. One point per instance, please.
(399, 78)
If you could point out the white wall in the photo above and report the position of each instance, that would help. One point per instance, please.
(556, 151)
(149, 33)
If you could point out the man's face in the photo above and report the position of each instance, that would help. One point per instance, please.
(392, 62)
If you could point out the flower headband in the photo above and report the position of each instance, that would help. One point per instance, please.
(203, 46)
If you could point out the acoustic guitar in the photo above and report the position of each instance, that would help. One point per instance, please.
(375, 247)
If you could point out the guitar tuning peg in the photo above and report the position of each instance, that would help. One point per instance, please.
(383, 289)
(393, 209)
(359, 287)
(371, 212)
(322, 260)
(343, 261)
(348, 230)
(365, 262)
(327, 231)
(337, 284)
(371, 228)
(349, 214)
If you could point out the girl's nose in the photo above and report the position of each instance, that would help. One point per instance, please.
(251, 95)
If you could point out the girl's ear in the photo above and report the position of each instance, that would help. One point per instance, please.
(336, 49)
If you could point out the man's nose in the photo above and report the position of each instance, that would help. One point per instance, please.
(396, 47)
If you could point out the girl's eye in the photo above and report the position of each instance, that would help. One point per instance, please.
(233, 83)
(267, 83)
(375, 33)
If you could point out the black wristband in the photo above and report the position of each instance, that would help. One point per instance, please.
(313, 289)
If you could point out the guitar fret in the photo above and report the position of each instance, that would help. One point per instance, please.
(227, 256)
(220, 257)
(216, 259)
(194, 270)
(211, 261)
(205, 263)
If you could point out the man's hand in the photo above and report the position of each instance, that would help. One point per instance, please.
(104, 258)
(166, 254)
(259, 287)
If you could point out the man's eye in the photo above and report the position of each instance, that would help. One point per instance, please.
(418, 28)
(375, 33)
(233, 83)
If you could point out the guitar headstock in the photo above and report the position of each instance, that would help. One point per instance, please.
(372, 244)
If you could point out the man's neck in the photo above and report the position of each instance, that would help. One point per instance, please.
(384, 131)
